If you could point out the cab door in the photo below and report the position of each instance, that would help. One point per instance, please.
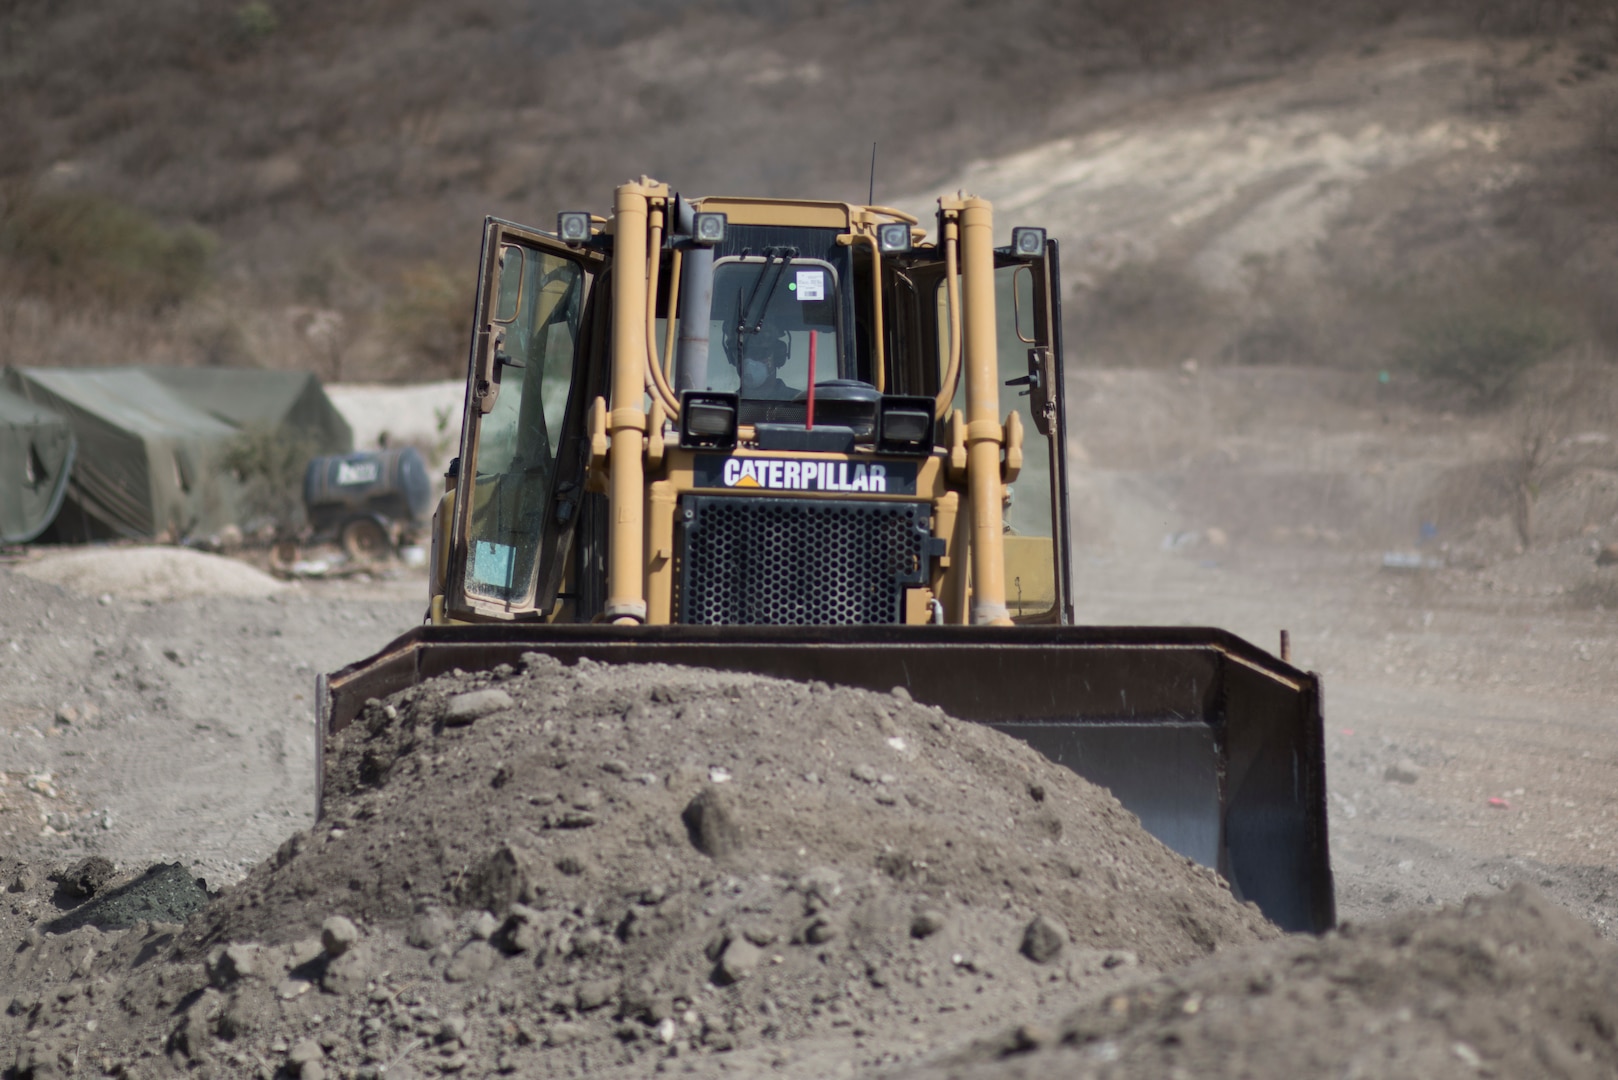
(524, 364)
(1028, 341)
(1038, 560)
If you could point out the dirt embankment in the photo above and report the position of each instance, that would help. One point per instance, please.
(587, 870)
(608, 871)
(1508, 986)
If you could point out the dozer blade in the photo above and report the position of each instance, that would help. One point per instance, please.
(1214, 744)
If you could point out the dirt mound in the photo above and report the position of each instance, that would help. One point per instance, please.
(1511, 985)
(150, 573)
(568, 870)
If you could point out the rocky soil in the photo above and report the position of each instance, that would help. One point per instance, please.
(1505, 986)
(161, 707)
(526, 888)
(597, 870)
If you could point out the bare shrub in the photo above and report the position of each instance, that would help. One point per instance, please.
(1142, 314)
(1547, 406)
(78, 247)
(1481, 345)
(269, 466)
(428, 320)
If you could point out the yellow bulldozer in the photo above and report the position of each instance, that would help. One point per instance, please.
(820, 440)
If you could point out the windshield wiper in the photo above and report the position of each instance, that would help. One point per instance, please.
(786, 256)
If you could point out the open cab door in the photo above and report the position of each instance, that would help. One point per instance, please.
(514, 497)
(1028, 350)
(1039, 583)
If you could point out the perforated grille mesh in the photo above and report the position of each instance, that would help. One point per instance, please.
(798, 562)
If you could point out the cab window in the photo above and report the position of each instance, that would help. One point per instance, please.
(766, 310)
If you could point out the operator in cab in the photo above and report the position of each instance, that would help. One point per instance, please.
(759, 360)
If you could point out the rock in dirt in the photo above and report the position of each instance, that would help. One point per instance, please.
(306, 1051)
(1043, 940)
(927, 923)
(505, 876)
(430, 929)
(594, 994)
(164, 893)
(485, 925)
(233, 963)
(337, 935)
(739, 960)
(522, 931)
(86, 878)
(711, 825)
(466, 708)
(347, 973)
(475, 958)
(1401, 772)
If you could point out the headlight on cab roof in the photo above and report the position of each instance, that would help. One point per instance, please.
(573, 226)
(1027, 242)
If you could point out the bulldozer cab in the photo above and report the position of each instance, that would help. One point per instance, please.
(817, 440)
(815, 360)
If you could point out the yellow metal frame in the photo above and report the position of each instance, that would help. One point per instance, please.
(637, 463)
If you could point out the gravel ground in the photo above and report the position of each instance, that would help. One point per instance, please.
(590, 871)
(1470, 753)
(154, 730)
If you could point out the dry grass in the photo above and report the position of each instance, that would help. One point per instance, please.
(341, 156)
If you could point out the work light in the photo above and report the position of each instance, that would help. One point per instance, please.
(893, 237)
(573, 226)
(708, 228)
(707, 419)
(906, 425)
(1027, 243)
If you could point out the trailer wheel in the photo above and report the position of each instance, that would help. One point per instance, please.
(364, 539)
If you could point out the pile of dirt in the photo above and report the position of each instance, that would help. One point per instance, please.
(149, 573)
(1511, 985)
(561, 871)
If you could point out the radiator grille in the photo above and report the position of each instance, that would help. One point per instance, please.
(798, 562)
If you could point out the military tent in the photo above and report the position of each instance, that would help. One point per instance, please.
(150, 441)
(36, 454)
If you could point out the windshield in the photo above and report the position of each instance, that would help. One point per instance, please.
(768, 312)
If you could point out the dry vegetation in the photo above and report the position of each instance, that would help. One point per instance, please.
(286, 183)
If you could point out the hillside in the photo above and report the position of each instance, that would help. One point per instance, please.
(295, 184)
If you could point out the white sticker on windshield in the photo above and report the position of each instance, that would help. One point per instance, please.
(811, 285)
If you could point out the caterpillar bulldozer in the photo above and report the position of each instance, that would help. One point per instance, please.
(819, 440)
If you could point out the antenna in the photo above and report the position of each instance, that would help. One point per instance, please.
(870, 197)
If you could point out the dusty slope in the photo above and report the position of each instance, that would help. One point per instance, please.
(1262, 500)
(675, 863)
(1300, 161)
(1305, 216)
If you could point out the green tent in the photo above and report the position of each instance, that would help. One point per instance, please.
(36, 455)
(150, 441)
